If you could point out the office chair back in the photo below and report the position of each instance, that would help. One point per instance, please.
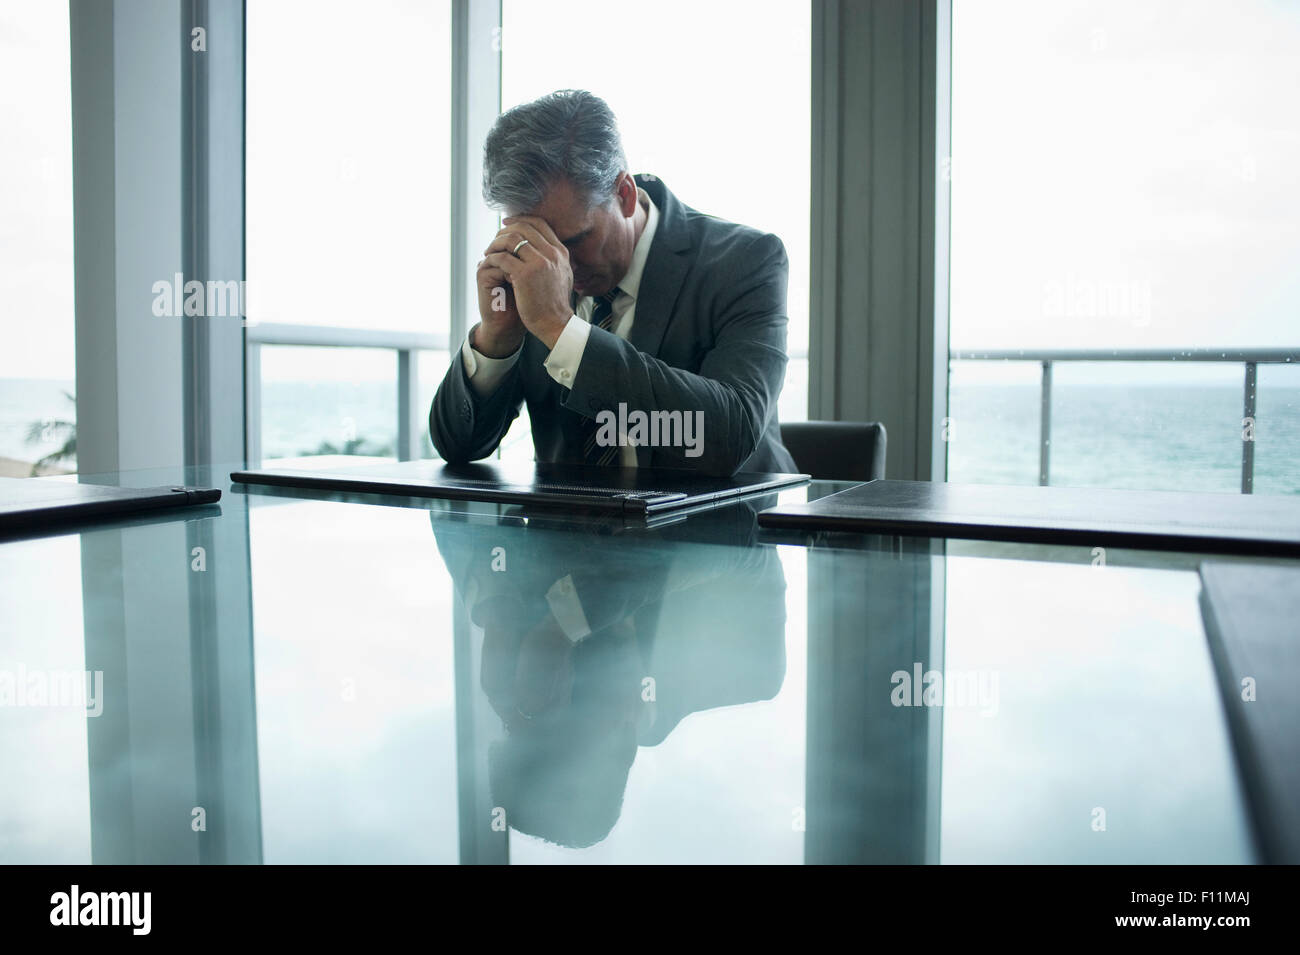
(837, 450)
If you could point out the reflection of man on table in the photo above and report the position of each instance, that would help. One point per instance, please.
(576, 626)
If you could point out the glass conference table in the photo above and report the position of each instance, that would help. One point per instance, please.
(293, 677)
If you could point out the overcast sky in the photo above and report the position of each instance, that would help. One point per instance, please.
(1147, 147)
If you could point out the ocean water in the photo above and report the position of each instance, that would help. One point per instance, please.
(1134, 435)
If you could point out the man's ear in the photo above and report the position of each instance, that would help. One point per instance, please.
(625, 195)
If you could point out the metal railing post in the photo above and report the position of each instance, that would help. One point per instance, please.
(1248, 432)
(1045, 426)
(408, 399)
(252, 403)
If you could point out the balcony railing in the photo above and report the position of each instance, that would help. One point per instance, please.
(1252, 358)
(411, 425)
(411, 422)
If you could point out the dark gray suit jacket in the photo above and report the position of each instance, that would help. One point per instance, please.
(709, 335)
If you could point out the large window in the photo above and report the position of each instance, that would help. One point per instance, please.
(348, 165)
(713, 98)
(1125, 181)
(348, 181)
(37, 370)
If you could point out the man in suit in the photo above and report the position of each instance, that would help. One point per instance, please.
(640, 332)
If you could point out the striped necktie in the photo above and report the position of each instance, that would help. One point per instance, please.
(602, 316)
(602, 313)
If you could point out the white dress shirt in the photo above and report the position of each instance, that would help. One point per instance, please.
(565, 359)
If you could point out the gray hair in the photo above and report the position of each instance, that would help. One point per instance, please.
(568, 134)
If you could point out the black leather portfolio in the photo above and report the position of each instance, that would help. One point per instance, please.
(1166, 520)
(33, 504)
(632, 491)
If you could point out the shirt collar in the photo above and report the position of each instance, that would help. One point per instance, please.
(631, 283)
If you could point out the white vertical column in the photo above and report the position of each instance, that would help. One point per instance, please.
(213, 204)
(476, 45)
(126, 146)
(880, 222)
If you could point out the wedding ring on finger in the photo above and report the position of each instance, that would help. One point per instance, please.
(515, 250)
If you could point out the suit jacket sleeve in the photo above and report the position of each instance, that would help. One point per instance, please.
(465, 427)
(740, 377)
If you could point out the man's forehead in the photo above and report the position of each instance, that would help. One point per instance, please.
(564, 209)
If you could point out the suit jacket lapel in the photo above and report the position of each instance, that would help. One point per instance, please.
(660, 283)
(665, 268)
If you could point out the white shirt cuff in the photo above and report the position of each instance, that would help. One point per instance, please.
(567, 609)
(564, 359)
(485, 373)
